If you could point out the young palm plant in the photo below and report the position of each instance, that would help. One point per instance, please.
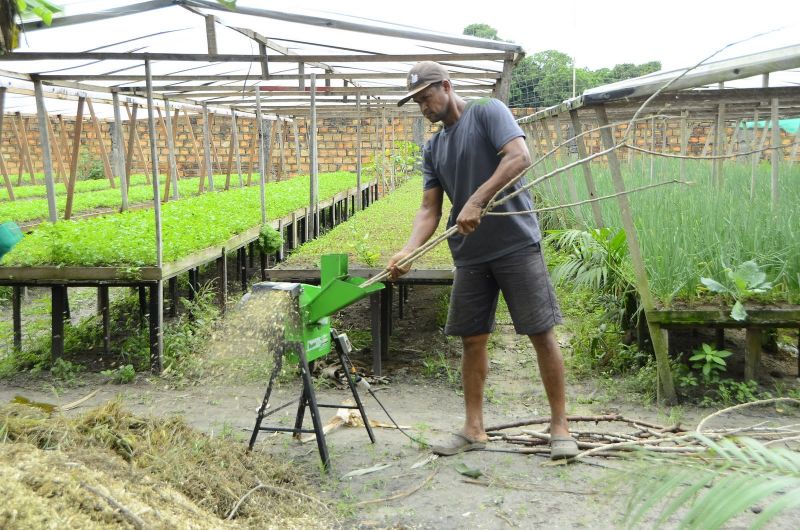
(709, 489)
(598, 261)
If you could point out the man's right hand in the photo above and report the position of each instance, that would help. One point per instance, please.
(394, 271)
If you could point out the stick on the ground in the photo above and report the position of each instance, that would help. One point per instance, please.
(276, 489)
(131, 517)
(742, 406)
(400, 495)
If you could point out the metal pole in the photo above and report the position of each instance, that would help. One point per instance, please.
(261, 185)
(41, 113)
(358, 151)
(156, 291)
(314, 174)
(119, 152)
(207, 148)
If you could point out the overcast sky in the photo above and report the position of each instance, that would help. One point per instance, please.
(600, 33)
(597, 33)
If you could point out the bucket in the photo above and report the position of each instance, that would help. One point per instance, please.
(10, 235)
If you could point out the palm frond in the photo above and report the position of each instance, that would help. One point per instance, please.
(709, 489)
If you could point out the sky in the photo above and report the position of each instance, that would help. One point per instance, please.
(598, 34)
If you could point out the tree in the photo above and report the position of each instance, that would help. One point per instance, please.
(545, 78)
(483, 31)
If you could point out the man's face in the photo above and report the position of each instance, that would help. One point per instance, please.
(433, 102)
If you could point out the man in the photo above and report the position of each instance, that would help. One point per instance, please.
(479, 149)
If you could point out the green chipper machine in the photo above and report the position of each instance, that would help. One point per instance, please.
(308, 336)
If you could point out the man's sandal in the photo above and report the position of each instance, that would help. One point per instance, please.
(457, 443)
(562, 447)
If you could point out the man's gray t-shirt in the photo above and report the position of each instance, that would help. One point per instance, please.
(459, 159)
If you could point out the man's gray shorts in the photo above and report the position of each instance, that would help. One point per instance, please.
(522, 277)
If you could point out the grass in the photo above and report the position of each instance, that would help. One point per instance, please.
(127, 239)
(371, 237)
(687, 232)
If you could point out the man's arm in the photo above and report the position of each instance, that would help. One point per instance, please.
(425, 223)
(514, 157)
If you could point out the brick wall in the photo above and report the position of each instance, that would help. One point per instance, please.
(336, 137)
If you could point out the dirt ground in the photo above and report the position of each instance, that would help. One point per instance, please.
(421, 391)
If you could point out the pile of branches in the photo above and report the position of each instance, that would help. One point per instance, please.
(615, 434)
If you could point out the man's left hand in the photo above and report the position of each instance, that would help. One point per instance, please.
(469, 218)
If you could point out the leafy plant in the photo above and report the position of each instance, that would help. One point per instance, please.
(407, 157)
(121, 375)
(188, 226)
(65, 371)
(710, 489)
(709, 361)
(743, 281)
(269, 239)
(363, 249)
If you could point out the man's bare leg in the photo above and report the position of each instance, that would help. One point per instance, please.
(551, 367)
(474, 368)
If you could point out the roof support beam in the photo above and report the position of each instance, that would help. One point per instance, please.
(246, 58)
(274, 77)
(388, 31)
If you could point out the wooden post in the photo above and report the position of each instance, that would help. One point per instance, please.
(211, 35)
(573, 191)
(101, 144)
(16, 315)
(776, 153)
(6, 178)
(172, 289)
(103, 310)
(587, 171)
(297, 154)
(222, 274)
(503, 86)
(719, 145)
(281, 229)
(657, 335)
(652, 149)
(41, 112)
(752, 360)
(25, 152)
(209, 166)
(56, 151)
(57, 302)
(139, 149)
(73, 167)
(173, 166)
(195, 148)
(64, 143)
(118, 150)
(156, 310)
(131, 139)
(251, 163)
(684, 142)
(294, 231)
(230, 159)
(281, 148)
(375, 319)
(270, 150)
(236, 146)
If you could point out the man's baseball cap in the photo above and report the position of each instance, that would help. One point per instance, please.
(421, 76)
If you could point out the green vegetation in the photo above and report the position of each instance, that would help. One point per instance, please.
(545, 78)
(691, 232)
(103, 197)
(184, 338)
(81, 186)
(374, 235)
(188, 226)
(269, 240)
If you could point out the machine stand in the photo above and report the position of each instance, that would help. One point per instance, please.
(308, 399)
